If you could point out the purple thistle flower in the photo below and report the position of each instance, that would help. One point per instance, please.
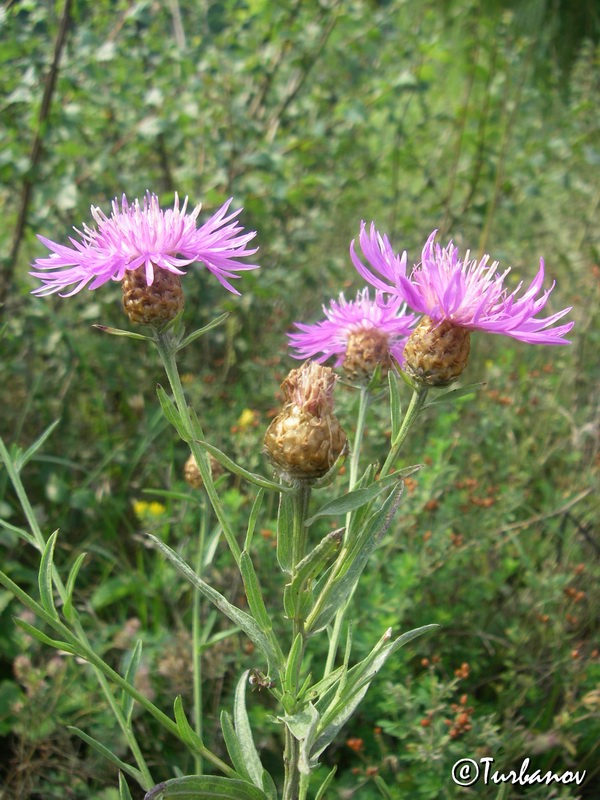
(135, 236)
(466, 293)
(344, 318)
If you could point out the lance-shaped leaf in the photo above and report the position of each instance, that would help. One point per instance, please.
(171, 413)
(124, 793)
(320, 795)
(234, 748)
(133, 664)
(201, 331)
(254, 594)
(360, 497)
(454, 394)
(266, 644)
(44, 639)
(355, 686)
(350, 563)
(45, 576)
(205, 787)
(68, 609)
(293, 664)
(230, 465)
(256, 506)
(187, 733)
(120, 332)
(244, 733)
(310, 566)
(22, 458)
(22, 534)
(303, 727)
(108, 754)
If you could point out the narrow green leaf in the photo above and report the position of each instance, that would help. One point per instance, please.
(236, 615)
(298, 594)
(312, 564)
(268, 785)
(304, 726)
(205, 787)
(253, 518)
(119, 332)
(104, 751)
(42, 637)
(325, 785)
(355, 499)
(171, 413)
(252, 477)
(22, 459)
(27, 601)
(187, 733)
(383, 788)
(68, 609)
(201, 331)
(454, 394)
(124, 793)
(331, 475)
(45, 576)
(293, 664)
(357, 682)
(130, 673)
(408, 380)
(22, 534)
(395, 405)
(285, 533)
(244, 732)
(350, 564)
(254, 594)
(234, 748)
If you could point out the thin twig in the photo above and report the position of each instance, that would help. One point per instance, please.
(36, 154)
(515, 526)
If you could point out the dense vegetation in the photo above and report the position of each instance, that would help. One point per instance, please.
(313, 116)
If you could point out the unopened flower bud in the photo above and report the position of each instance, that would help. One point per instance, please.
(156, 304)
(305, 439)
(437, 353)
(192, 475)
(367, 349)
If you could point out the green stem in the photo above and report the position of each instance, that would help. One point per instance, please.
(197, 656)
(417, 402)
(167, 349)
(354, 465)
(291, 754)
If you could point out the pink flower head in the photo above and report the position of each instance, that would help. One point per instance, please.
(466, 293)
(346, 317)
(145, 235)
(379, 254)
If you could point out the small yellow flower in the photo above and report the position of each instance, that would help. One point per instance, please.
(140, 507)
(247, 418)
(143, 510)
(156, 509)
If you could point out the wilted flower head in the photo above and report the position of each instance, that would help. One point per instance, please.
(305, 439)
(360, 333)
(466, 293)
(145, 237)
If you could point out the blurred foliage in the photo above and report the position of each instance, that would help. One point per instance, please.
(418, 114)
